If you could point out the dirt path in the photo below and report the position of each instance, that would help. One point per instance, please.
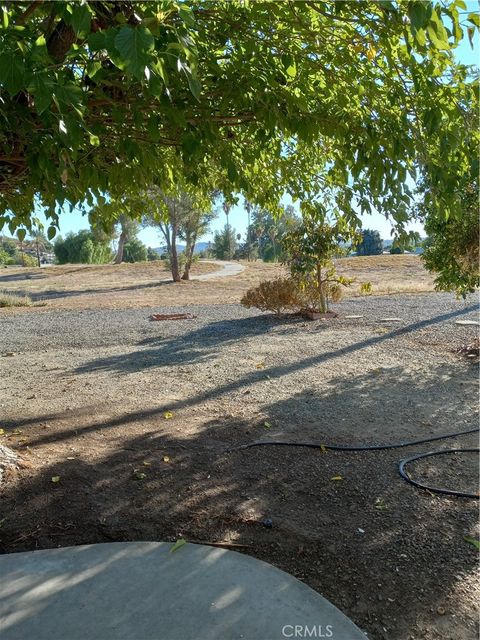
(228, 269)
(135, 419)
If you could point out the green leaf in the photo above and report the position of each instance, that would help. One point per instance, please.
(80, 19)
(97, 41)
(417, 12)
(133, 43)
(292, 70)
(41, 87)
(195, 86)
(474, 18)
(476, 543)
(21, 233)
(51, 233)
(178, 545)
(12, 72)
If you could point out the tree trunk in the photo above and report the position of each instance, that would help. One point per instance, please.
(321, 293)
(121, 244)
(189, 250)
(174, 257)
(38, 254)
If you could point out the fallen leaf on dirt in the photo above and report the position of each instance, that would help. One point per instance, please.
(267, 425)
(55, 478)
(166, 458)
(336, 478)
(139, 475)
(380, 504)
(260, 365)
(167, 415)
(71, 458)
(323, 448)
(146, 464)
(476, 543)
(2, 432)
(178, 545)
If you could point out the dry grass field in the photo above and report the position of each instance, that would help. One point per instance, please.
(148, 284)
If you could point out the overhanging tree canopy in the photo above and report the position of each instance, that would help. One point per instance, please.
(346, 99)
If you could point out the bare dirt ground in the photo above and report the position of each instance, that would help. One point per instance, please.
(137, 422)
(147, 284)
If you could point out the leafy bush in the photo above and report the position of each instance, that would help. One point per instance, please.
(279, 295)
(134, 251)
(395, 249)
(82, 247)
(6, 258)
(181, 257)
(152, 255)
(27, 260)
(9, 247)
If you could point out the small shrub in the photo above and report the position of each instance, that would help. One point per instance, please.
(13, 300)
(279, 295)
(366, 288)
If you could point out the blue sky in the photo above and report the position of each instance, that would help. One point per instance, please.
(238, 217)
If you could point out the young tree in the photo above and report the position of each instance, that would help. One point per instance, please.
(371, 243)
(97, 96)
(224, 243)
(309, 250)
(195, 224)
(135, 251)
(128, 234)
(270, 229)
(40, 242)
(181, 215)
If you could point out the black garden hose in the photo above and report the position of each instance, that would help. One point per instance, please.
(383, 447)
(446, 492)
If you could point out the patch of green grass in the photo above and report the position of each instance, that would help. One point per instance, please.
(13, 300)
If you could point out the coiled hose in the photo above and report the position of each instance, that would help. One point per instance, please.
(383, 447)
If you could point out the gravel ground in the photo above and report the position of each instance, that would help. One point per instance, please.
(85, 396)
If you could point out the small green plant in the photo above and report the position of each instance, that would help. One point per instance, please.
(13, 300)
(366, 288)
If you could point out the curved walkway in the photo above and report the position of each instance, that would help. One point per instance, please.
(228, 269)
(142, 591)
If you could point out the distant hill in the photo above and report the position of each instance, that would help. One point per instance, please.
(199, 247)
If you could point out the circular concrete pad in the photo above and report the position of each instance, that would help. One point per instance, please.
(142, 591)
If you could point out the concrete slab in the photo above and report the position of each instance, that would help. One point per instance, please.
(141, 591)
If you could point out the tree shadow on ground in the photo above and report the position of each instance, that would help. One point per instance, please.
(54, 294)
(388, 555)
(201, 344)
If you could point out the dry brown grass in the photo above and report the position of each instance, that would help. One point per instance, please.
(387, 273)
(148, 284)
(13, 300)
